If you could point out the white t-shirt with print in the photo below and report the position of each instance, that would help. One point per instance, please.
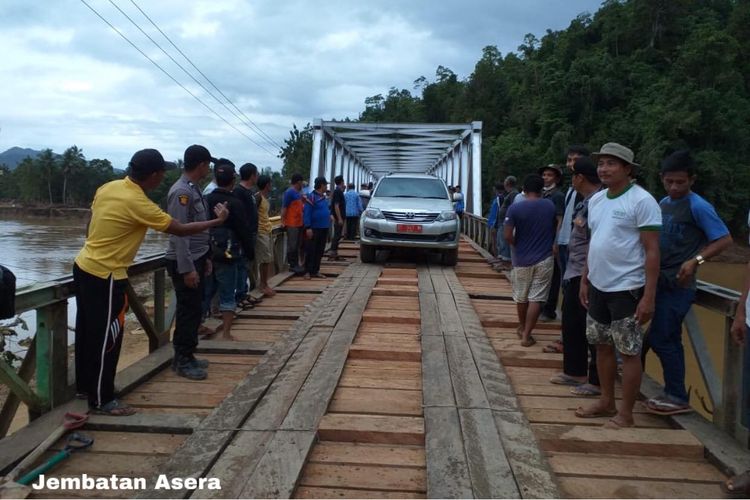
(617, 259)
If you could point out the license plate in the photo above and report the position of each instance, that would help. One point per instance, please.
(409, 228)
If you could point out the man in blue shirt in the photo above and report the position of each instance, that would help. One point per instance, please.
(530, 228)
(692, 232)
(353, 210)
(316, 219)
(493, 222)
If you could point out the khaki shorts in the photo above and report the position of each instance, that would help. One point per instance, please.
(531, 283)
(263, 250)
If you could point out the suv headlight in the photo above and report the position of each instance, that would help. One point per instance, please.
(446, 215)
(374, 213)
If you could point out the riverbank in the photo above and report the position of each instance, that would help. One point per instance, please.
(25, 210)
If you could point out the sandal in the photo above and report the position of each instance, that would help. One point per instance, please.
(585, 390)
(564, 379)
(738, 486)
(581, 412)
(555, 347)
(528, 342)
(114, 408)
(661, 405)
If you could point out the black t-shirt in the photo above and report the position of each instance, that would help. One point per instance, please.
(247, 197)
(558, 198)
(338, 199)
(236, 221)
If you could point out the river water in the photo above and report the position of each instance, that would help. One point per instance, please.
(42, 249)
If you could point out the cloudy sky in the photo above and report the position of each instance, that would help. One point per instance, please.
(68, 78)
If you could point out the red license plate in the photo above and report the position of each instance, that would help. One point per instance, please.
(409, 228)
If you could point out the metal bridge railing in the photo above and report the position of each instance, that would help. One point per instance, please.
(729, 388)
(46, 360)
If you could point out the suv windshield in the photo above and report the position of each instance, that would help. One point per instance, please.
(396, 187)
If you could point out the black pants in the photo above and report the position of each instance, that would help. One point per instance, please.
(351, 227)
(550, 307)
(293, 235)
(314, 249)
(337, 228)
(188, 313)
(576, 349)
(100, 320)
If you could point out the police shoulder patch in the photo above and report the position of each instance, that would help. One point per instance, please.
(184, 199)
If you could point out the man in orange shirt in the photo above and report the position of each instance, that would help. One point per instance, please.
(292, 205)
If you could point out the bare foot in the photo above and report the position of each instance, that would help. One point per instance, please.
(268, 291)
(229, 338)
(619, 422)
(596, 410)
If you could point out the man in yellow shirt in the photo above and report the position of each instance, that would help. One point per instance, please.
(121, 213)
(263, 245)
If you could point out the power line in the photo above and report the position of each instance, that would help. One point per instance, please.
(171, 77)
(261, 131)
(188, 73)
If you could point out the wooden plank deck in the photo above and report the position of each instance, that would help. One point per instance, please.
(388, 380)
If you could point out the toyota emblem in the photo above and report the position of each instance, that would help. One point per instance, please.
(409, 215)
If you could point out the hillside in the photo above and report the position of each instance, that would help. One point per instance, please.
(15, 155)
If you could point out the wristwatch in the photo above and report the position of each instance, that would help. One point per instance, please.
(700, 259)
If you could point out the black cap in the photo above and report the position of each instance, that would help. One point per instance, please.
(196, 154)
(319, 181)
(585, 166)
(224, 171)
(148, 161)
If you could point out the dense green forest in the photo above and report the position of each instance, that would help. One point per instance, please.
(655, 75)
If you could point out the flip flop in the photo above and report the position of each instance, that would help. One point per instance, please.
(585, 390)
(582, 413)
(115, 408)
(740, 486)
(564, 379)
(665, 407)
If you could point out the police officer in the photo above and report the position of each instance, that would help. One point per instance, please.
(188, 261)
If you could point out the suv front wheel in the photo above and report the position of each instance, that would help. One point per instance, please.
(366, 253)
(450, 257)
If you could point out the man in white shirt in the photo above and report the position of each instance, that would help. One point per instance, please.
(618, 285)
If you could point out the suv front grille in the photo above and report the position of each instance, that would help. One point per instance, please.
(415, 216)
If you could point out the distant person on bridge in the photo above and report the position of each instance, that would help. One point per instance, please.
(692, 233)
(188, 261)
(578, 370)
(263, 246)
(530, 230)
(230, 242)
(292, 204)
(317, 220)
(492, 220)
(552, 176)
(511, 192)
(245, 191)
(338, 212)
(353, 210)
(120, 215)
(618, 283)
(459, 201)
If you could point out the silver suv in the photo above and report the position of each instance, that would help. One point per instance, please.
(410, 210)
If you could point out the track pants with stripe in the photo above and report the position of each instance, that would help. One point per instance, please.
(100, 318)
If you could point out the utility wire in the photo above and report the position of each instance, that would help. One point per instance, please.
(172, 77)
(190, 74)
(276, 144)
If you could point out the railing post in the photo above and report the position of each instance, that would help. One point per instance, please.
(52, 353)
(159, 295)
(726, 415)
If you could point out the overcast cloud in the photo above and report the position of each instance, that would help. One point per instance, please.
(67, 78)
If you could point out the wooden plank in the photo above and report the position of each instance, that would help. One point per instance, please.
(371, 477)
(450, 323)
(497, 385)
(551, 416)
(530, 468)
(140, 371)
(317, 492)
(239, 459)
(97, 464)
(376, 402)
(126, 443)
(388, 339)
(410, 383)
(575, 487)
(140, 399)
(467, 385)
(229, 347)
(176, 423)
(391, 352)
(372, 429)
(395, 317)
(436, 379)
(395, 291)
(635, 468)
(331, 452)
(447, 465)
(14, 447)
(278, 471)
(631, 441)
(558, 403)
(256, 314)
(491, 474)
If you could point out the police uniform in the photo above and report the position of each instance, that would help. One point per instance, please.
(185, 254)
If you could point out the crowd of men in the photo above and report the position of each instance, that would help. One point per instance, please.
(220, 250)
(627, 266)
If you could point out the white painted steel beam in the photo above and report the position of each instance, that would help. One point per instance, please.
(316, 145)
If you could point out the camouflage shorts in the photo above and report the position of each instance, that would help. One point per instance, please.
(625, 334)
